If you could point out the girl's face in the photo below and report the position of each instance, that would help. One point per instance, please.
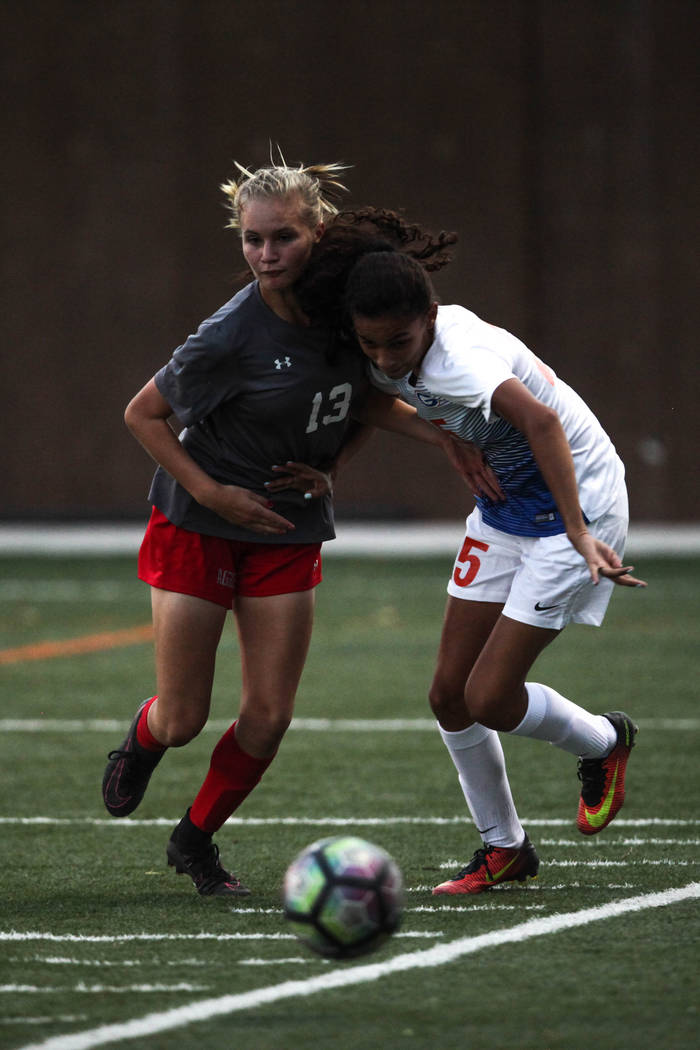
(396, 345)
(276, 241)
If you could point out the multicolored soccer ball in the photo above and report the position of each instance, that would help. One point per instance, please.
(343, 896)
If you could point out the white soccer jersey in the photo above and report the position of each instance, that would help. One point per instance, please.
(466, 362)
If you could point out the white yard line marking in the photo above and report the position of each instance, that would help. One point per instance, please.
(390, 539)
(313, 725)
(189, 963)
(39, 592)
(61, 1018)
(118, 938)
(343, 977)
(617, 842)
(633, 862)
(53, 960)
(341, 822)
(98, 989)
(449, 905)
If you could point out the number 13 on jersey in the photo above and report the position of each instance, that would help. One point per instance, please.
(468, 563)
(339, 400)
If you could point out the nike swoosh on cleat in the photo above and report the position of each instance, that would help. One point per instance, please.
(504, 869)
(596, 820)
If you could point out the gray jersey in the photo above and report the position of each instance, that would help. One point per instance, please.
(252, 391)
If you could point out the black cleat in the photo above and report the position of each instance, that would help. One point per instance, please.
(128, 771)
(203, 867)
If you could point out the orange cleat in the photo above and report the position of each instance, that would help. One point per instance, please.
(603, 779)
(490, 866)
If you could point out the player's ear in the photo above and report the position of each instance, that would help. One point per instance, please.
(432, 313)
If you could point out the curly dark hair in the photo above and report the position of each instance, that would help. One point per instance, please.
(350, 235)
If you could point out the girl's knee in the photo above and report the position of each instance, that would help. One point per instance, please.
(263, 728)
(445, 702)
(177, 730)
(178, 735)
(491, 705)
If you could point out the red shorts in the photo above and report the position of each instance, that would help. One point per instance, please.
(218, 570)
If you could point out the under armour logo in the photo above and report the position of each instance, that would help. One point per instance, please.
(285, 361)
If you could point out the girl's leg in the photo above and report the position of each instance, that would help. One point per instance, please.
(187, 635)
(474, 749)
(498, 696)
(187, 632)
(274, 634)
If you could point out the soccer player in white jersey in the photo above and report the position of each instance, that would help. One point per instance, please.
(546, 554)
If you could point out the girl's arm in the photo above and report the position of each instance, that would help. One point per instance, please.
(147, 417)
(545, 435)
(391, 413)
(312, 481)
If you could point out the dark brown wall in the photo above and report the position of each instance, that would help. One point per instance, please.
(558, 137)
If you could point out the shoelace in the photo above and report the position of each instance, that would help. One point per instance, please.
(591, 773)
(477, 861)
(136, 758)
(208, 871)
(114, 755)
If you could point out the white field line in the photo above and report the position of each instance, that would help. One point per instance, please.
(575, 843)
(60, 960)
(62, 1018)
(16, 936)
(98, 989)
(101, 963)
(312, 725)
(389, 539)
(631, 862)
(343, 977)
(343, 822)
(409, 909)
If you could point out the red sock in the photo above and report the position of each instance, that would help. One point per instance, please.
(144, 736)
(233, 774)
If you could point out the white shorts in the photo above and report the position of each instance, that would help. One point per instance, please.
(542, 580)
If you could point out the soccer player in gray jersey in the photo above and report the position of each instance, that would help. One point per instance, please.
(546, 554)
(258, 390)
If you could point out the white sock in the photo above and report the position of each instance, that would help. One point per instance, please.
(478, 758)
(552, 717)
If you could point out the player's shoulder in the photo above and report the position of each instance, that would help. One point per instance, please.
(227, 328)
(453, 317)
(237, 310)
(461, 329)
(456, 330)
(232, 325)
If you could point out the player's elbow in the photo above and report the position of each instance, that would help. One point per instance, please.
(543, 425)
(132, 416)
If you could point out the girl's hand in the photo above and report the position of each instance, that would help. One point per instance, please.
(603, 561)
(469, 462)
(242, 507)
(313, 483)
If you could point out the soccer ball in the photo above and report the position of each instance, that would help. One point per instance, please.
(343, 897)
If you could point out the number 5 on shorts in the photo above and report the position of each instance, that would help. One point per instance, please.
(467, 563)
